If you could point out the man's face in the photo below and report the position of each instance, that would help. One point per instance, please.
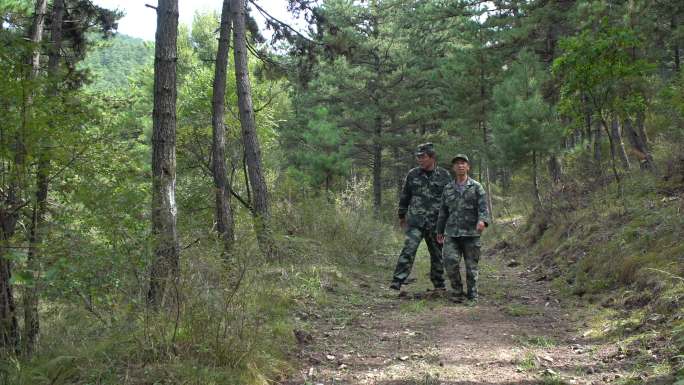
(461, 167)
(425, 161)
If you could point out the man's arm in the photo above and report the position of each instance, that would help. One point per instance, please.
(443, 215)
(404, 200)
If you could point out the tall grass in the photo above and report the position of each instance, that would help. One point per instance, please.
(225, 321)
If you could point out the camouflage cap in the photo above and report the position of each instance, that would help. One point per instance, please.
(460, 156)
(425, 148)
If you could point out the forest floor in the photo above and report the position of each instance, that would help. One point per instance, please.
(520, 332)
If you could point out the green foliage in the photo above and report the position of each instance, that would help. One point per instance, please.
(599, 64)
(323, 156)
(381, 76)
(524, 123)
(18, 6)
(114, 62)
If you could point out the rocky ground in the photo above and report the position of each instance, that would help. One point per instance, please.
(519, 332)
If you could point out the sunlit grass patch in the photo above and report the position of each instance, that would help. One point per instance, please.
(528, 362)
(519, 310)
(414, 306)
(536, 341)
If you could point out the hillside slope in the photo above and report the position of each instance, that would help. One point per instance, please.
(623, 256)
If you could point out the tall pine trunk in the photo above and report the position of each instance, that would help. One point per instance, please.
(535, 182)
(555, 169)
(613, 161)
(485, 140)
(675, 46)
(619, 144)
(377, 166)
(9, 213)
(31, 316)
(596, 141)
(639, 145)
(165, 267)
(224, 213)
(248, 123)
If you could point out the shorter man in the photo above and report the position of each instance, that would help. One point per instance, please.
(463, 215)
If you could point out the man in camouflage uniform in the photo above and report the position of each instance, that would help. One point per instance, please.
(463, 215)
(418, 209)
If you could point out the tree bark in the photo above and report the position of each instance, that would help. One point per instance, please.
(377, 166)
(639, 145)
(485, 141)
(165, 267)
(555, 169)
(675, 47)
(535, 182)
(619, 144)
(597, 138)
(9, 213)
(224, 213)
(613, 162)
(587, 133)
(31, 315)
(641, 128)
(248, 123)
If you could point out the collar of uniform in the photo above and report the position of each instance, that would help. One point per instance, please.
(425, 172)
(469, 182)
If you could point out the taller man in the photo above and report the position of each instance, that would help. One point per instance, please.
(418, 210)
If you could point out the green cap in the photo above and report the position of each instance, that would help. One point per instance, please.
(460, 156)
(425, 148)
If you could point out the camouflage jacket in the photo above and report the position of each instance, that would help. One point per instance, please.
(420, 196)
(460, 212)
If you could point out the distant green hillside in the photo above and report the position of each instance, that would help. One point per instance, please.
(114, 60)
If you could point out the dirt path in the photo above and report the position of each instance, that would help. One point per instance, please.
(518, 333)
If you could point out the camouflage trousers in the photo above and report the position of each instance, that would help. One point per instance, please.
(469, 248)
(408, 254)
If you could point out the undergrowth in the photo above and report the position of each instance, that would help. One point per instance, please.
(226, 321)
(624, 255)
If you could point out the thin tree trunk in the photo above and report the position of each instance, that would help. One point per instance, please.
(31, 316)
(505, 181)
(9, 328)
(613, 161)
(597, 144)
(619, 143)
(485, 140)
(248, 123)
(639, 146)
(397, 170)
(555, 169)
(535, 182)
(224, 213)
(166, 266)
(641, 128)
(587, 133)
(675, 47)
(31, 319)
(377, 166)
(488, 186)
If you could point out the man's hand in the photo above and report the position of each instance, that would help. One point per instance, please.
(440, 239)
(480, 226)
(402, 223)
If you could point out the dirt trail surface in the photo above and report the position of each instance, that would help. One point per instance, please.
(518, 333)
